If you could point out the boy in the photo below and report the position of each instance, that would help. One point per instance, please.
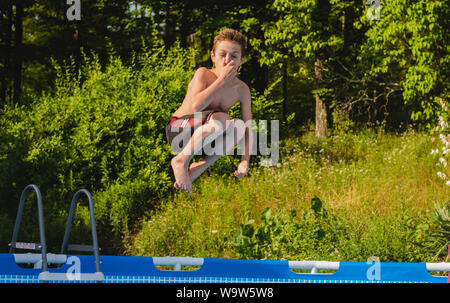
(203, 113)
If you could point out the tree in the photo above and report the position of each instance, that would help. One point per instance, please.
(407, 50)
(36, 32)
(312, 32)
(18, 50)
(6, 15)
(12, 15)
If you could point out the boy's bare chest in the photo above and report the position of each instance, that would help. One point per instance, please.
(225, 101)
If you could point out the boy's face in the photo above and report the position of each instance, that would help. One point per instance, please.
(225, 52)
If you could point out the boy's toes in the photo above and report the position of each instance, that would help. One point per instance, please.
(188, 189)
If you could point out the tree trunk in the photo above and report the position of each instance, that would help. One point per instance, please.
(285, 90)
(185, 26)
(169, 27)
(321, 108)
(7, 52)
(261, 73)
(320, 17)
(18, 33)
(77, 47)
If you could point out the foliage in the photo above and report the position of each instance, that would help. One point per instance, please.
(283, 235)
(349, 197)
(101, 129)
(441, 219)
(320, 234)
(442, 130)
(407, 48)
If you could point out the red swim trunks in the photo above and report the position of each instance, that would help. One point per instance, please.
(181, 125)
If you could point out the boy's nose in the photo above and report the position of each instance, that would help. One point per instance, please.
(227, 59)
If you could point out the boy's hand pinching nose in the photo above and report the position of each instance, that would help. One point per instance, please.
(229, 71)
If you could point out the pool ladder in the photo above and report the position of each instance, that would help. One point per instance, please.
(42, 260)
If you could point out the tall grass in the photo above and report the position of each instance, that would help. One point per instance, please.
(378, 188)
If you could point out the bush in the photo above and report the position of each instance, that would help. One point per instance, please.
(321, 235)
(100, 129)
(286, 236)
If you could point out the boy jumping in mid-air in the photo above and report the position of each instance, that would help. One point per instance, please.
(203, 113)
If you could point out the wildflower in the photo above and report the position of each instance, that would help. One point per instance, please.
(441, 175)
(435, 151)
(443, 161)
(447, 183)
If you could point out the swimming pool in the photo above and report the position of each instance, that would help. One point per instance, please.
(130, 269)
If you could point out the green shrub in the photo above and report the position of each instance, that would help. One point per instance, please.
(321, 235)
(101, 129)
(284, 235)
(442, 220)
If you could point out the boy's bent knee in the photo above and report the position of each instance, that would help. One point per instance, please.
(220, 116)
(212, 126)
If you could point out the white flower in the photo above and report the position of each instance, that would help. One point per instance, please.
(435, 151)
(447, 183)
(443, 161)
(441, 175)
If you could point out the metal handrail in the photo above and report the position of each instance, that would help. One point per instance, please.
(42, 246)
(65, 246)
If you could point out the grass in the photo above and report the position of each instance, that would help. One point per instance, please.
(378, 188)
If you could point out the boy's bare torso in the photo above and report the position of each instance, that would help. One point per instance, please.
(223, 101)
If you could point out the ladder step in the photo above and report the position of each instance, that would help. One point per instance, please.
(30, 258)
(77, 247)
(25, 245)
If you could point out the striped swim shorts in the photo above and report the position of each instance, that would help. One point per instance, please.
(183, 127)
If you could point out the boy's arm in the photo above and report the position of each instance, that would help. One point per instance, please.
(246, 110)
(200, 95)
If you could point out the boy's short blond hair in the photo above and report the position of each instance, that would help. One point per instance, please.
(232, 35)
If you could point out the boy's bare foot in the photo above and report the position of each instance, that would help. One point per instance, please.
(195, 169)
(182, 180)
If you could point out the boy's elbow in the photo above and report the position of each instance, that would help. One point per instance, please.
(198, 104)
